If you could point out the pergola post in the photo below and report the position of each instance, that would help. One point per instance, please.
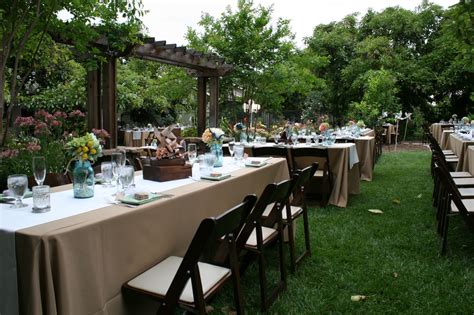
(202, 101)
(214, 102)
(93, 99)
(109, 100)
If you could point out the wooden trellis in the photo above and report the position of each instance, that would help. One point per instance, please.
(102, 83)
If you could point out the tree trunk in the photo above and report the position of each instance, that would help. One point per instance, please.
(2, 98)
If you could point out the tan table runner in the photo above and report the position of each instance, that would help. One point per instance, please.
(78, 265)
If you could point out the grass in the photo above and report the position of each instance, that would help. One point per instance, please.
(391, 258)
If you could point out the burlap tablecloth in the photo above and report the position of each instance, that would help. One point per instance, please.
(131, 141)
(459, 147)
(365, 150)
(437, 130)
(78, 265)
(444, 142)
(346, 179)
(470, 159)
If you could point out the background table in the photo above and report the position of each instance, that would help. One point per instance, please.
(437, 129)
(459, 146)
(77, 265)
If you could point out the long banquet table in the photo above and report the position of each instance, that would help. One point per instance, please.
(77, 264)
(437, 129)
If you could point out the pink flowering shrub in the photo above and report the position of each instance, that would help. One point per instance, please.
(42, 134)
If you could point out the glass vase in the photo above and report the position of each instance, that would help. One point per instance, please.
(83, 179)
(216, 149)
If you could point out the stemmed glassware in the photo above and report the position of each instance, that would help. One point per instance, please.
(192, 153)
(17, 184)
(231, 148)
(117, 158)
(276, 138)
(39, 169)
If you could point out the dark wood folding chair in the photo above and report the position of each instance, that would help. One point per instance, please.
(189, 283)
(322, 181)
(274, 151)
(296, 209)
(256, 236)
(451, 204)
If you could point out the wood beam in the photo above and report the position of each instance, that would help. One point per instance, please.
(214, 102)
(93, 99)
(201, 111)
(109, 100)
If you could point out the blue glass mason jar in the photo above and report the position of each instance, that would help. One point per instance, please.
(216, 149)
(83, 179)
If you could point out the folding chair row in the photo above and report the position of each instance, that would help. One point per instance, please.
(451, 203)
(212, 258)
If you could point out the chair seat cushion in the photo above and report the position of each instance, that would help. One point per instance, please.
(460, 174)
(466, 192)
(295, 211)
(468, 203)
(464, 181)
(157, 279)
(319, 173)
(268, 234)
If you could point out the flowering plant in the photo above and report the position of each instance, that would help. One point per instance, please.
(324, 127)
(351, 123)
(84, 148)
(213, 136)
(101, 135)
(465, 120)
(239, 127)
(361, 124)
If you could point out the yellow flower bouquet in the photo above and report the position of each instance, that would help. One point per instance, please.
(84, 148)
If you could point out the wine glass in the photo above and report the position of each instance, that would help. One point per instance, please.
(192, 153)
(231, 148)
(39, 169)
(17, 184)
(116, 159)
(276, 138)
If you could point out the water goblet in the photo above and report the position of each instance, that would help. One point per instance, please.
(231, 148)
(276, 138)
(17, 184)
(106, 169)
(39, 169)
(127, 174)
(209, 160)
(238, 153)
(294, 139)
(192, 153)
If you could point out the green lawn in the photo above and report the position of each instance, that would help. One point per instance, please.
(392, 258)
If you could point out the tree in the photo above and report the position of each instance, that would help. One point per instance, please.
(25, 26)
(150, 92)
(249, 41)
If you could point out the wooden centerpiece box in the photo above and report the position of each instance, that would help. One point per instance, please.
(163, 170)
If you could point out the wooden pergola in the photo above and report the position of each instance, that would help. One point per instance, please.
(102, 83)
